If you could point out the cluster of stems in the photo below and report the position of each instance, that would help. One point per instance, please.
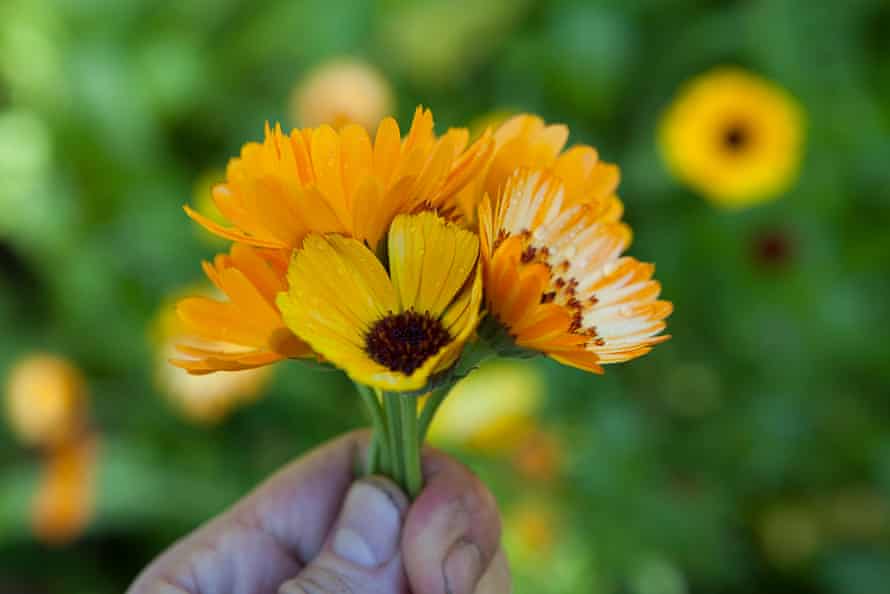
(398, 434)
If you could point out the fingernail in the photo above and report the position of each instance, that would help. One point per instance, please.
(369, 526)
(463, 568)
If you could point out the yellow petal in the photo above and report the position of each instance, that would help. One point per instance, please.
(430, 260)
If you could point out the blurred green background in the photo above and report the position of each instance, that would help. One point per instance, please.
(750, 454)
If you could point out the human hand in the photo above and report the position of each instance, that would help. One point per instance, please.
(310, 529)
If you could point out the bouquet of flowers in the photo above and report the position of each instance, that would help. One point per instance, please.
(407, 261)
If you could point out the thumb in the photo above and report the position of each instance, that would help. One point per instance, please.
(361, 553)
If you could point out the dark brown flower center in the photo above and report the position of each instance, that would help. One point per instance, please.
(736, 138)
(403, 342)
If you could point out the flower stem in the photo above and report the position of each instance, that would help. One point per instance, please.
(432, 404)
(411, 446)
(394, 425)
(378, 452)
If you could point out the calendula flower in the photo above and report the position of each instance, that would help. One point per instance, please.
(555, 280)
(204, 398)
(326, 181)
(390, 331)
(342, 91)
(202, 202)
(492, 410)
(247, 330)
(733, 136)
(45, 400)
(525, 141)
(63, 504)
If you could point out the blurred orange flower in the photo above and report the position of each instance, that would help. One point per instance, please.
(64, 501)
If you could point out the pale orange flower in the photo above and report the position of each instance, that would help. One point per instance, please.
(342, 91)
(555, 280)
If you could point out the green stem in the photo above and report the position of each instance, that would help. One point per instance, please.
(432, 404)
(373, 458)
(394, 425)
(411, 445)
(379, 445)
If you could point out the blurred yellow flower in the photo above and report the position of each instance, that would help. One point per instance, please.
(64, 502)
(555, 280)
(531, 529)
(45, 400)
(342, 91)
(390, 331)
(492, 410)
(205, 398)
(733, 136)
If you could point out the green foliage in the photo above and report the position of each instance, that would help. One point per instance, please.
(772, 395)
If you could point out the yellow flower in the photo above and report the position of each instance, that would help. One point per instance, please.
(525, 141)
(531, 528)
(733, 136)
(492, 410)
(46, 400)
(324, 181)
(342, 91)
(555, 280)
(205, 398)
(247, 330)
(65, 498)
(387, 331)
(312, 181)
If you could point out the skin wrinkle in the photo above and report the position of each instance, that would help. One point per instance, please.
(463, 541)
(325, 580)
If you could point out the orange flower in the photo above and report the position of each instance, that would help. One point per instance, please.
(525, 141)
(321, 180)
(555, 280)
(63, 504)
(312, 181)
(247, 330)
